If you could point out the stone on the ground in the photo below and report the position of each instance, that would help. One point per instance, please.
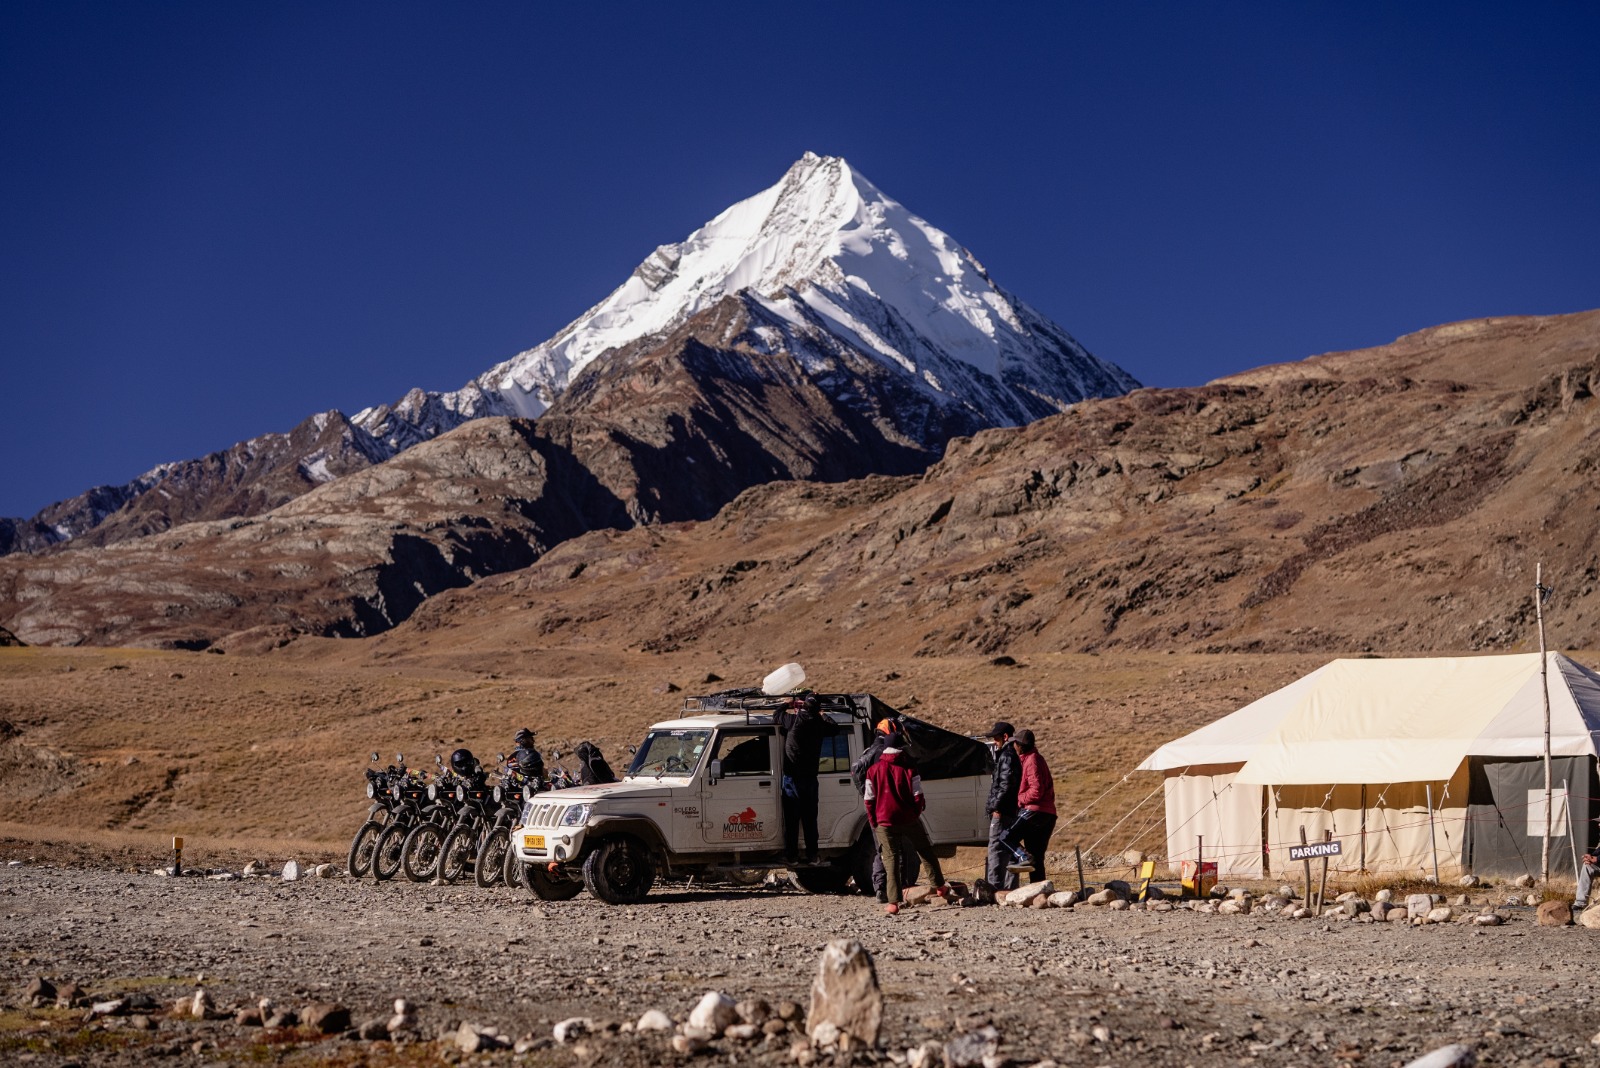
(285, 1018)
(1554, 914)
(654, 1020)
(292, 871)
(470, 1038)
(789, 1011)
(400, 1022)
(742, 1032)
(1160, 906)
(1446, 1057)
(255, 867)
(714, 1013)
(845, 993)
(328, 1017)
(1522, 881)
(1302, 913)
(374, 1030)
(1102, 897)
(1385, 895)
(1532, 900)
(1468, 880)
(1418, 905)
(753, 1010)
(1024, 895)
(249, 1016)
(1441, 914)
(571, 1028)
(114, 1007)
(927, 1055)
(201, 1005)
(1488, 919)
(973, 1049)
(1397, 914)
(1063, 899)
(1590, 917)
(687, 1044)
(40, 992)
(1118, 905)
(1133, 858)
(325, 871)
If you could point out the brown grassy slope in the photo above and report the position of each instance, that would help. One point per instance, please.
(271, 747)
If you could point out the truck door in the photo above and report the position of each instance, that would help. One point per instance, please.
(742, 797)
(839, 807)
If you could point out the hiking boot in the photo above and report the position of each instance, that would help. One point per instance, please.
(1024, 862)
(891, 909)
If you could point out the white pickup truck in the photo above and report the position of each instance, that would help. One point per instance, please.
(704, 796)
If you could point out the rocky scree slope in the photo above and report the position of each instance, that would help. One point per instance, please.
(1269, 512)
(824, 269)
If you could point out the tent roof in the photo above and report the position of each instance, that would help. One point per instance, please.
(1405, 720)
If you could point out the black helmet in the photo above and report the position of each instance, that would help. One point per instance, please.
(524, 738)
(463, 762)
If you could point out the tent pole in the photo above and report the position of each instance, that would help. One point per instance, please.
(1433, 841)
(1572, 842)
(1544, 686)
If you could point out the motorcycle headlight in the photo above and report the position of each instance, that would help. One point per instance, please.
(574, 816)
(497, 794)
(372, 791)
(527, 793)
(433, 791)
(461, 793)
(394, 792)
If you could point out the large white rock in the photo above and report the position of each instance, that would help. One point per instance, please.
(845, 993)
(1024, 895)
(1446, 1057)
(292, 871)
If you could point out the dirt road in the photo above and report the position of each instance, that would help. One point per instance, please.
(1162, 988)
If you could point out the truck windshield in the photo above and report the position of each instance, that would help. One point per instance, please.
(670, 752)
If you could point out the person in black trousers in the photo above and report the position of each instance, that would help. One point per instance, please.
(802, 728)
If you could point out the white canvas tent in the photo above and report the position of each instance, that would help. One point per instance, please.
(1405, 761)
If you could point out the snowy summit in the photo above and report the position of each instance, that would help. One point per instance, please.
(823, 261)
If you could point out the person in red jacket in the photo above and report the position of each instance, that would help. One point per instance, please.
(893, 795)
(1036, 805)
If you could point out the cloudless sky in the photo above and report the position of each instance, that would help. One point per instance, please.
(219, 218)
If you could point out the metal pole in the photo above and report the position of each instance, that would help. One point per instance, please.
(1433, 840)
(1544, 686)
(1363, 828)
(1308, 865)
(1566, 793)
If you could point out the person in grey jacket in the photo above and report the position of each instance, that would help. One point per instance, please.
(1002, 806)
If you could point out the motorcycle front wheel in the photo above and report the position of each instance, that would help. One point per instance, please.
(490, 867)
(386, 854)
(459, 849)
(362, 847)
(419, 857)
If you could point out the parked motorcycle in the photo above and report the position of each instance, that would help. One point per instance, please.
(477, 805)
(495, 863)
(363, 845)
(407, 796)
(424, 842)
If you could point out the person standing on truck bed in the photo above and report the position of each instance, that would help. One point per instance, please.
(895, 804)
(1002, 805)
(802, 728)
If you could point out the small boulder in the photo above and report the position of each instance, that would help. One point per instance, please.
(327, 1017)
(974, 1049)
(715, 1013)
(1590, 917)
(571, 1028)
(1062, 899)
(1418, 905)
(1554, 914)
(1489, 919)
(1522, 881)
(292, 871)
(654, 1020)
(1441, 914)
(1118, 905)
(201, 1006)
(40, 992)
(1446, 1057)
(374, 1030)
(325, 871)
(1102, 897)
(1024, 895)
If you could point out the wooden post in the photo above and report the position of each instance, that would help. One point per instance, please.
(1077, 852)
(1308, 865)
(1322, 888)
(1572, 841)
(177, 855)
(1200, 867)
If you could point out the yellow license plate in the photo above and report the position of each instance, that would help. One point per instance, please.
(535, 841)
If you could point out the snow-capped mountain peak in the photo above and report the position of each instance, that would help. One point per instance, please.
(822, 251)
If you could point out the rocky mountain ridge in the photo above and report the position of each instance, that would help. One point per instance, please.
(1330, 509)
(826, 270)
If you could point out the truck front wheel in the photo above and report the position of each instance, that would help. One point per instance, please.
(619, 871)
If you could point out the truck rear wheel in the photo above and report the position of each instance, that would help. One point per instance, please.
(619, 871)
(831, 878)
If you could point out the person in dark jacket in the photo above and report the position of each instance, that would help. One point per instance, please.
(526, 757)
(1002, 806)
(1036, 805)
(592, 767)
(895, 803)
(803, 728)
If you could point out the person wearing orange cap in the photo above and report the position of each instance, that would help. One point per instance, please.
(887, 733)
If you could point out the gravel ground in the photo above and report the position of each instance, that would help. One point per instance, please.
(1078, 986)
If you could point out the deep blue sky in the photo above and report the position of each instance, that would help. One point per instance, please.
(218, 218)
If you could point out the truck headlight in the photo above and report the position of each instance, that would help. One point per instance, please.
(527, 813)
(574, 816)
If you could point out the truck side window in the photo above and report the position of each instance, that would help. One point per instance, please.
(743, 753)
(835, 758)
